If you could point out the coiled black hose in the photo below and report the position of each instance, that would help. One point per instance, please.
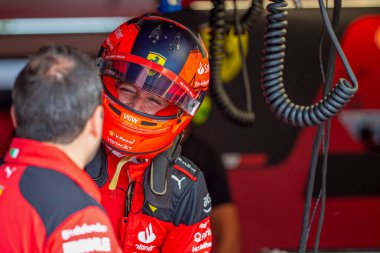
(251, 15)
(272, 76)
(218, 29)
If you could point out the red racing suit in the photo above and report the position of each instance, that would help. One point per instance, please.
(146, 220)
(48, 204)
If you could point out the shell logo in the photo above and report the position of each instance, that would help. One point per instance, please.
(111, 133)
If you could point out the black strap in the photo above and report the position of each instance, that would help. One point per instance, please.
(157, 183)
(160, 164)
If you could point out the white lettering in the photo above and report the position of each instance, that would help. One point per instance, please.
(186, 164)
(144, 247)
(98, 244)
(125, 140)
(204, 225)
(203, 83)
(118, 144)
(204, 245)
(198, 237)
(83, 229)
(130, 118)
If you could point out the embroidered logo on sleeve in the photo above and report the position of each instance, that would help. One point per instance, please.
(207, 203)
(179, 181)
(14, 152)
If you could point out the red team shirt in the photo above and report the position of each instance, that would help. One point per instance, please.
(48, 204)
(178, 221)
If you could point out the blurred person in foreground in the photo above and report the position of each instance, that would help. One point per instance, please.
(47, 202)
(155, 73)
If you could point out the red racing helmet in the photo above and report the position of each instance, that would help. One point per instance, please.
(159, 56)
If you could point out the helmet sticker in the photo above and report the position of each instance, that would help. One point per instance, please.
(156, 34)
(157, 58)
(175, 42)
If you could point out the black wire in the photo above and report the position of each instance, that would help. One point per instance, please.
(247, 88)
(217, 91)
(324, 184)
(314, 211)
(310, 187)
(332, 52)
(328, 83)
(323, 131)
(272, 75)
(320, 56)
(251, 15)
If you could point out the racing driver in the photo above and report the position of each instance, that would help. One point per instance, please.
(155, 73)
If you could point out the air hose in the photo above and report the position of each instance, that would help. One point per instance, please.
(218, 29)
(272, 75)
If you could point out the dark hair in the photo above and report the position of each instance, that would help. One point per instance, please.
(55, 94)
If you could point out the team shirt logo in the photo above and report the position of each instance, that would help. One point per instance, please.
(9, 171)
(89, 244)
(14, 152)
(94, 244)
(179, 181)
(146, 236)
(157, 58)
(83, 229)
(206, 203)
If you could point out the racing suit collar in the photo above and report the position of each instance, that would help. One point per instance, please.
(35, 153)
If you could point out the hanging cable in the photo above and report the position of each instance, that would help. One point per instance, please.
(247, 88)
(272, 74)
(328, 81)
(218, 30)
(323, 131)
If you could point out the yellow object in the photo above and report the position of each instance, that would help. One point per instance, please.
(153, 208)
(232, 62)
(115, 178)
(203, 112)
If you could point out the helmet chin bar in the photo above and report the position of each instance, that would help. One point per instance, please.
(133, 133)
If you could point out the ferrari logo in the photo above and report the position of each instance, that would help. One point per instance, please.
(157, 58)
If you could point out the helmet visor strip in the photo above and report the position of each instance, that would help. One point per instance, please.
(152, 81)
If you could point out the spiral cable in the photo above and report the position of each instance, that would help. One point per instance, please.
(218, 26)
(272, 76)
(251, 15)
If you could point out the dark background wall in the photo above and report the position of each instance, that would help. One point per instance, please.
(302, 80)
